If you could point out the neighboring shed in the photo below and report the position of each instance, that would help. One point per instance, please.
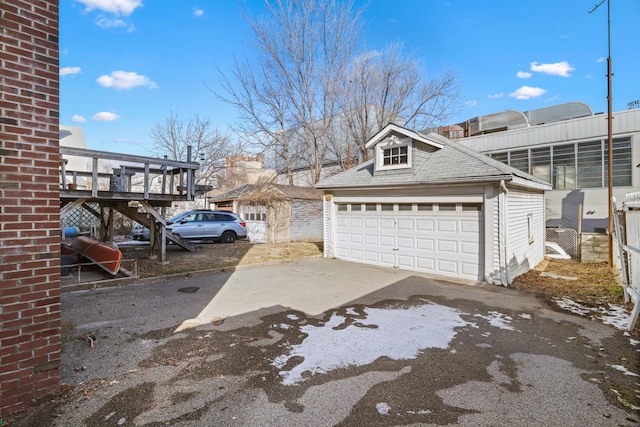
(276, 213)
(428, 204)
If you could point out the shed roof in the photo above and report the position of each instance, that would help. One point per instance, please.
(278, 190)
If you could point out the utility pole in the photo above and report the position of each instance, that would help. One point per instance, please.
(609, 129)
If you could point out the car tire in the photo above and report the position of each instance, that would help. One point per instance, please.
(228, 237)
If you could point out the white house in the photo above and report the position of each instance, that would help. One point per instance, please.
(428, 204)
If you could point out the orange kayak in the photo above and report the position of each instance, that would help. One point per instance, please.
(105, 256)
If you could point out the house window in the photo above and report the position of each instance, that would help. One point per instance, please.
(405, 207)
(342, 207)
(386, 207)
(425, 207)
(395, 156)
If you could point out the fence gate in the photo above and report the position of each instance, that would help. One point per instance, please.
(566, 238)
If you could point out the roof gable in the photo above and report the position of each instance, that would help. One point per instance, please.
(392, 130)
(453, 163)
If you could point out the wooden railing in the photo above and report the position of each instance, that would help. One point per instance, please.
(125, 173)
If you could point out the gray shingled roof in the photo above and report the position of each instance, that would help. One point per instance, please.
(454, 163)
(286, 191)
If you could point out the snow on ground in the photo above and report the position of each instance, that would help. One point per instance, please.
(613, 315)
(396, 333)
(498, 320)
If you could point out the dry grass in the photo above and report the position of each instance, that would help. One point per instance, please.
(219, 255)
(595, 283)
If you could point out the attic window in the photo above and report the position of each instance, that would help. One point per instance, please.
(394, 153)
(395, 156)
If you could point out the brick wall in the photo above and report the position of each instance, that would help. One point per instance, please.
(29, 202)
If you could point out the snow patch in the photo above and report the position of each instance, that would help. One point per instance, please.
(612, 314)
(383, 408)
(383, 332)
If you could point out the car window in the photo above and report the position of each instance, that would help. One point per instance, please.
(223, 217)
(209, 217)
(188, 218)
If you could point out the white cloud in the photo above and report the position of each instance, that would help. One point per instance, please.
(78, 119)
(523, 75)
(125, 80)
(471, 103)
(117, 7)
(69, 71)
(104, 22)
(527, 92)
(105, 116)
(557, 69)
(198, 12)
(496, 95)
(601, 59)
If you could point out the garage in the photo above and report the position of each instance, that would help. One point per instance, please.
(437, 238)
(427, 204)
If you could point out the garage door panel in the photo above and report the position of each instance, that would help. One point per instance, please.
(387, 260)
(470, 269)
(387, 223)
(387, 241)
(405, 242)
(371, 223)
(406, 262)
(342, 222)
(406, 225)
(447, 244)
(447, 226)
(371, 256)
(356, 222)
(469, 226)
(355, 238)
(427, 264)
(425, 225)
(425, 244)
(469, 248)
(356, 254)
(447, 267)
(370, 239)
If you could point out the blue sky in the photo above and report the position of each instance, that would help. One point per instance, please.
(127, 64)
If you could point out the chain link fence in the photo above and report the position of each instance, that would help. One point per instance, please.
(566, 238)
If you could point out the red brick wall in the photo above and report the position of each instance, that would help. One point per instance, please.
(29, 202)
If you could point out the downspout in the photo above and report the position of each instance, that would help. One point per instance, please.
(502, 219)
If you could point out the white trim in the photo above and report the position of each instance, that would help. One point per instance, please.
(390, 143)
(395, 128)
(465, 198)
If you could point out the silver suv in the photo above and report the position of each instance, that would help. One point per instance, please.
(224, 226)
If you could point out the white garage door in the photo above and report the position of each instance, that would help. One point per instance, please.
(442, 239)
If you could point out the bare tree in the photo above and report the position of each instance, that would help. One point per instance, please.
(289, 100)
(209, 145)
(388, 87)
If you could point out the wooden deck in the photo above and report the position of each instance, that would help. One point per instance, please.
(114, 180)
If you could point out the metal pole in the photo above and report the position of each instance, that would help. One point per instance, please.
(609, 135)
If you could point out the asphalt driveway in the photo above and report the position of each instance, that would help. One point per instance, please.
(321, 342)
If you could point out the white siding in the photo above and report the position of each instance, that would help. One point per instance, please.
(524, 254)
